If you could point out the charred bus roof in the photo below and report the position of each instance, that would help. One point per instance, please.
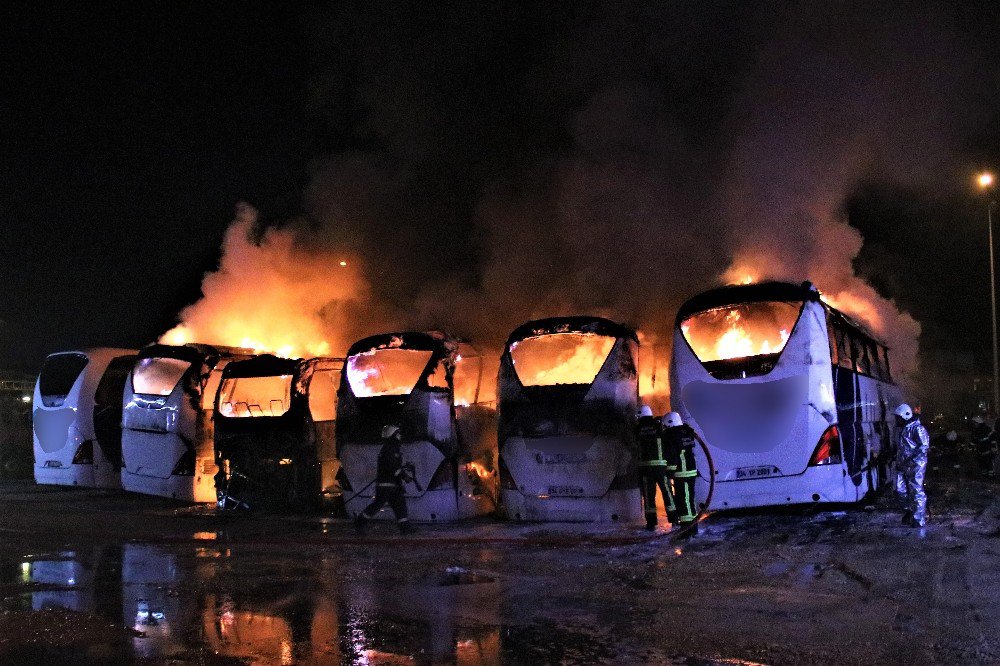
(265, 365)
(759, 292)
(574, 324)
(419, 340)
(193, 352)
(747, 293)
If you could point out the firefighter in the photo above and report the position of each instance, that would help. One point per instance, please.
(391, 477)
(911, 464)
(654, 469)
(680, 441)
(984, 438)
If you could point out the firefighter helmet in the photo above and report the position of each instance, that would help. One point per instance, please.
(904, 411)
(646, 411)
(390, 431)
(672, 420)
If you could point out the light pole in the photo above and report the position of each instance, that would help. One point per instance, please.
(985, 181)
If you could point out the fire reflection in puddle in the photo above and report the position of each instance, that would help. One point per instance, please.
(172, 603)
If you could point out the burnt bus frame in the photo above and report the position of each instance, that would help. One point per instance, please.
(362, 419)
(256, 445)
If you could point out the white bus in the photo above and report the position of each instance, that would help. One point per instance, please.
(567, 396)
(793, 398)
(77, 417)
(167, 437)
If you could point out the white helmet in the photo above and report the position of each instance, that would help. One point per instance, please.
(978, 419)
(904, 411)
(390, 431)
(672, 420)
(646, 411)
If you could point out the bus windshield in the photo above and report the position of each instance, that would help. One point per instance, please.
(158, 376)
(390, 371)
(58, 377)
(560, 358)
(255, 396)
(741, 330)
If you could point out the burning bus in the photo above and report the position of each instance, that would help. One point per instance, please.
(793, 398)
(77, 417)
(275, 436)
(568, 393)
(167, 429)
(428, 384)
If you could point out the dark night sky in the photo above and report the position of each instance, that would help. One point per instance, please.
(131, 134)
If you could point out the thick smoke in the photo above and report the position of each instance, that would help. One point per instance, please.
(615, 160)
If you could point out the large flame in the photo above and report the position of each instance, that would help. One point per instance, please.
(737, 342)
(842, 290)
(269, 296)
(740, 331)
(560, 358)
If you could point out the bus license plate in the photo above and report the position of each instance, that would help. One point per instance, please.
(565, 491)
(561, 458)
(756, 472)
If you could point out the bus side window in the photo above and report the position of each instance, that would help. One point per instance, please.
(885, 363)
(844, 349)
(878, 362)
(859, 356)
(869, 356)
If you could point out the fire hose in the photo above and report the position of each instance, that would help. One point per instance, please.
(370, 484)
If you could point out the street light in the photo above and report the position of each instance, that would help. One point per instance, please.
(985, 181)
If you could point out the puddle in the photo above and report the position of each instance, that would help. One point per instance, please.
(172, 603)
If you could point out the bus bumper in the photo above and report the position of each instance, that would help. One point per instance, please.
(623, 506)
(815, 485)
(74, 475)
(199, 488)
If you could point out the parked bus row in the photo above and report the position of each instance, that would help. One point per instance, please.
(792, 399)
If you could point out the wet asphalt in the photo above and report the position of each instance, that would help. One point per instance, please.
(90, 576)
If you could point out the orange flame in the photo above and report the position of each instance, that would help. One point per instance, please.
(560, 358)
(269, 295)
(478, 469)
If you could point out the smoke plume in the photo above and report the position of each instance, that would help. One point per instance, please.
(502, 165)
